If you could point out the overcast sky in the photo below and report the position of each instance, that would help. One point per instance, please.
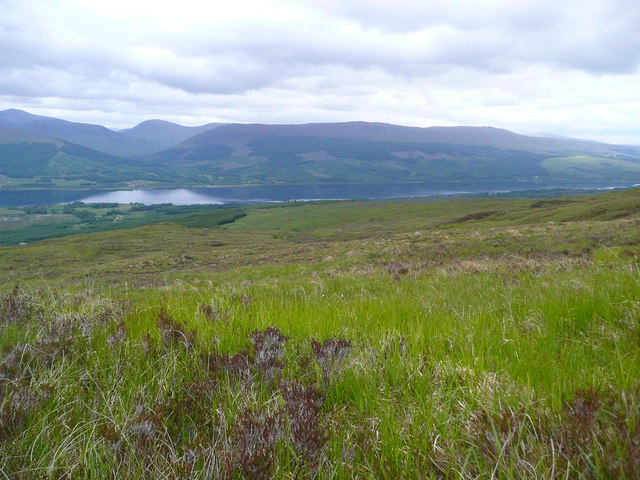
(569, 67)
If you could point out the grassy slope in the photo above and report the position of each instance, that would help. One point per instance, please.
(359, 218)
(501, 344)
(591, 167)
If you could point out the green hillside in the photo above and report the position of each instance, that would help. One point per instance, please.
(22, 160)
(357, 152)
(591, 167)
(95, 137)
(469, 338)
(30, 160)
(158, 153)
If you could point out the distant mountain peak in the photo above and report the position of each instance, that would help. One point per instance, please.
(13, 117)
(154, 121)
(164, 134)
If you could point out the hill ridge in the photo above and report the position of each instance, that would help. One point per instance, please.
(336, 152)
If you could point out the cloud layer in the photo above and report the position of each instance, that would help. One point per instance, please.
(567, 67)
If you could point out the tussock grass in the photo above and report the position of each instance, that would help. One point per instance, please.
(452, 374)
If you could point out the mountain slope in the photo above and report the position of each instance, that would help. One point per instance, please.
(144, 139)
(91, 136)
(10, 135)
(28, 159)
(88, 135)
(241, 134)
(351, 152)
(24, 154)
(374, 152)
(16, 118)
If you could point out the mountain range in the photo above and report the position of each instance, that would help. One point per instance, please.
(47, 152)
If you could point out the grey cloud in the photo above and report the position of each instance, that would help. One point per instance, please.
(542, 31)
(417, 41)
(32, 48)
(611, 46)
(221, 76)
(412, 15)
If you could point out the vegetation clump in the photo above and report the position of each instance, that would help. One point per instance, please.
(330, 355)
(15, 306)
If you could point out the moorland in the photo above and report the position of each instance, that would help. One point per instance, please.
(415, 338)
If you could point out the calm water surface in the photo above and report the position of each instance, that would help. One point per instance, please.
(277, 193)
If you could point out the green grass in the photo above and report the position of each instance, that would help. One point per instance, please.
(28, 224)
(501, 345)
(590, 167)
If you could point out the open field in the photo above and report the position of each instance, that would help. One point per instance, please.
(485, 338)
(32, 223)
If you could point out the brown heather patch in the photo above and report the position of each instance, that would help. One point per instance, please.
(119, 336)
(15, 306)
(144, 429)
(245, 300)
(254, 443)
(263, 362)
(579, 419)
(331, 355)
(473, 216)
(173, 333)
(197, 399)
(306, 421)
(59, 337)
(213, 313)
(238, 366)
(13, 362)
(397, 269)
(604, 423)
(268, 353)
(18, 402)
(550, 203)
(596, 435)
(110, 433)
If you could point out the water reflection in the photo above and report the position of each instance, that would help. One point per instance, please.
(180, 196)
